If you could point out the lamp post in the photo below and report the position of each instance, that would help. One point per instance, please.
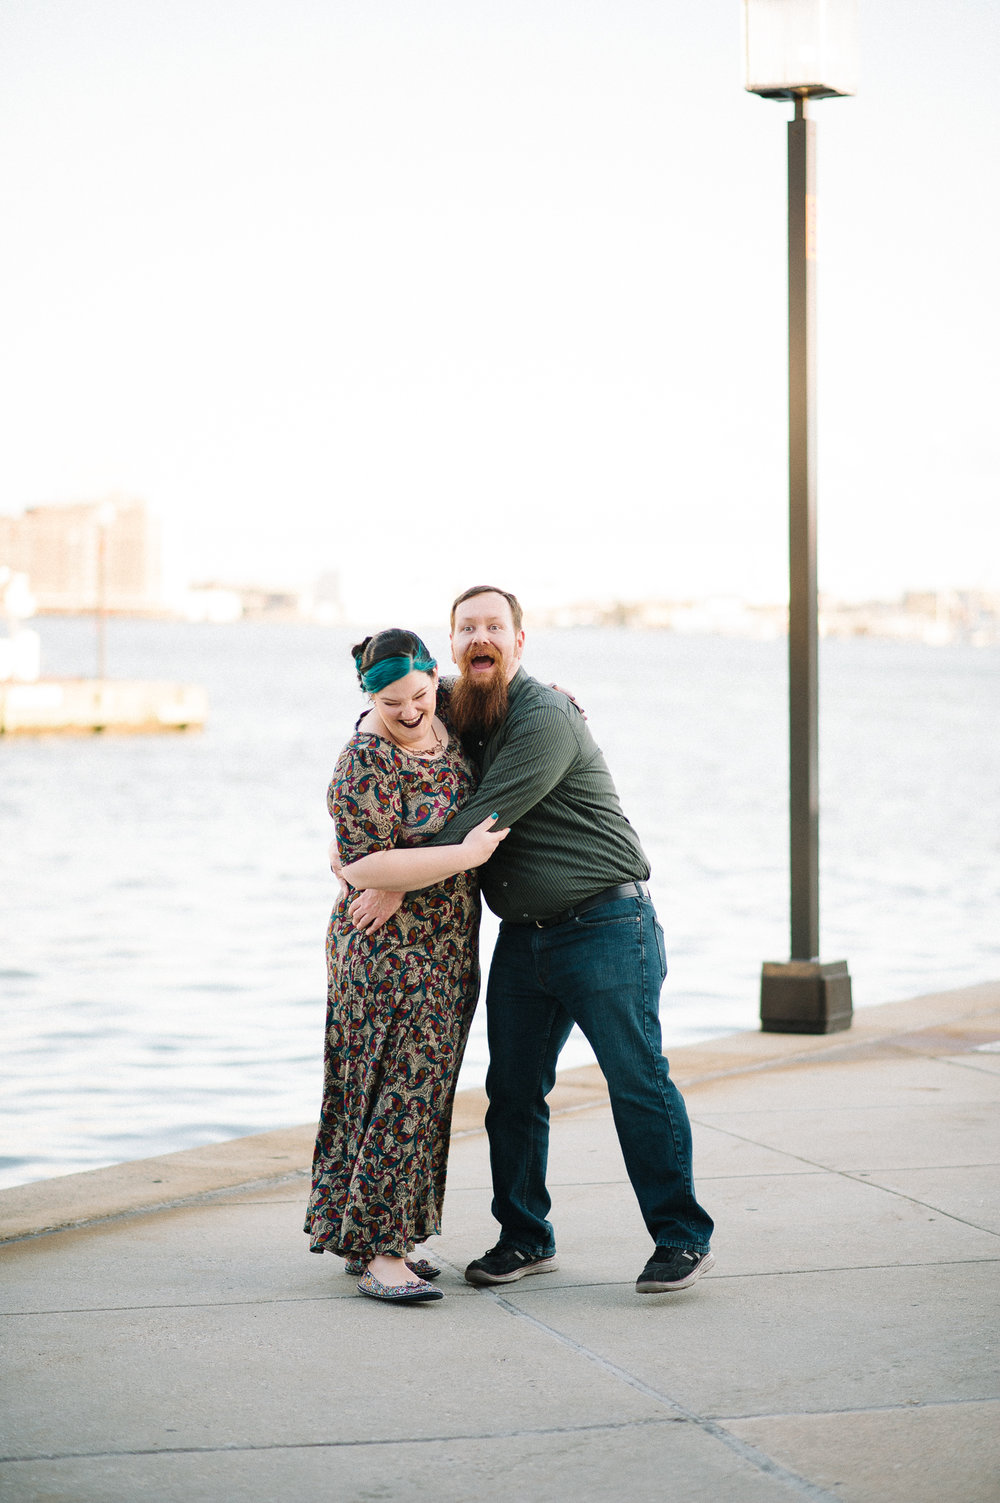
(800, 50)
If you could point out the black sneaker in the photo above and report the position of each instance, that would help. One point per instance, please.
(504, 1264)
(672, 1268)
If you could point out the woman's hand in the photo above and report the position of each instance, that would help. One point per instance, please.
(571, 697)
(480, 843)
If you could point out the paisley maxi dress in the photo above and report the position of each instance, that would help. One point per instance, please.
(399, 1006)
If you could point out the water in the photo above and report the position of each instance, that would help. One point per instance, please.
(166, 897)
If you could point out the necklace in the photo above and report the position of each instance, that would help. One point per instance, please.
(419, 751)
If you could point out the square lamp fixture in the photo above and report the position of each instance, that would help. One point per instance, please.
(801, 47)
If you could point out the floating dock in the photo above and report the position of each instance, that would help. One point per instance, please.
(81, 705)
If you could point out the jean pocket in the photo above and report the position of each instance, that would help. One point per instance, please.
(661, 945)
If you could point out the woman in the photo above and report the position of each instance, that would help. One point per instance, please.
(400, 1001)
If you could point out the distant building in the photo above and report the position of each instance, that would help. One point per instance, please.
(934, 617)
(211, 600)
(88, 554)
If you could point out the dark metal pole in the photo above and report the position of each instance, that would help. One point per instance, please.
(803, 995)
(803, 695)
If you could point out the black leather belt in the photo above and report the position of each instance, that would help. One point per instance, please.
(609, 895)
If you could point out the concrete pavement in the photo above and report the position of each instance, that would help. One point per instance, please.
(168, 1336)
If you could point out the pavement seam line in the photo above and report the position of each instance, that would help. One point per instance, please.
(856, 1177)
(749, 1453)
(908, 1406)
(925, 1205)
(564, 1288)
(325, 1445)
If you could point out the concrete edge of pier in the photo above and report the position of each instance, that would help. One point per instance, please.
(172, 1179)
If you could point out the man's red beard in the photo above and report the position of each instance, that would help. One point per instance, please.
(478, 704)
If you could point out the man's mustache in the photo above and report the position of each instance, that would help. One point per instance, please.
(477, 650)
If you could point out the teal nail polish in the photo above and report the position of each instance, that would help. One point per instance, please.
(494, 816)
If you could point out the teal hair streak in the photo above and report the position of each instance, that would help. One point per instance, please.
(388, 670)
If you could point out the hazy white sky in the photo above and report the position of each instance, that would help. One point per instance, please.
(429, 291)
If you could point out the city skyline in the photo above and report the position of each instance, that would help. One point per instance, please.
(58, 551)
(103, 557)
(430, 297)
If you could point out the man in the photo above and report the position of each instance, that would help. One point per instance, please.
(579, 942)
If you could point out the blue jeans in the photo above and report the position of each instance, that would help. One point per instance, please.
(604, 971)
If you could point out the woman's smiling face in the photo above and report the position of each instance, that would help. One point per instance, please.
(407, 706)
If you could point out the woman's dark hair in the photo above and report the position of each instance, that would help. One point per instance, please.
(389, 655)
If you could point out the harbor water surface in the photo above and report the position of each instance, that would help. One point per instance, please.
(165, 897)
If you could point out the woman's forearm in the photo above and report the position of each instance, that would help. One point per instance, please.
(407, 870)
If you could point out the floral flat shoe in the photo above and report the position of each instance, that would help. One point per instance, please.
(398, 1294)
(420, 1266)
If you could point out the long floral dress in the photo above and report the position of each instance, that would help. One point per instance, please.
(400, 1003)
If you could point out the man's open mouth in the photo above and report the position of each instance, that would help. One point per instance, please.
(482, 660)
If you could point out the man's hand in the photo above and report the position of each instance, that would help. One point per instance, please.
(372, 908)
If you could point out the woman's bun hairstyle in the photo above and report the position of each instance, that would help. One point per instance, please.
(358, 653)
(388, 655)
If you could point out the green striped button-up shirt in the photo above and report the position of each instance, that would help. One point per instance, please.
(546, 777)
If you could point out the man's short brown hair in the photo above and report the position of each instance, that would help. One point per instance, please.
(489, 589)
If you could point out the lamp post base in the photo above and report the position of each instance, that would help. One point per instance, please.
(805, 996)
